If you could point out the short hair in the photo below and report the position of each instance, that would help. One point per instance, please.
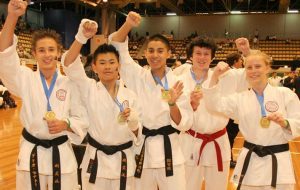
(159, 37)
(266, 58)
(46, 33)
(105, 48)
(89, 60)
(232, 58)
(201, 42)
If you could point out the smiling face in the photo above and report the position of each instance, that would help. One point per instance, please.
(257, 67)
(201, 57)
(107, 66)
(46, 53)
(157, 54)
(201, 51)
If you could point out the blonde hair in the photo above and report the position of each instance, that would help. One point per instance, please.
(266, 58)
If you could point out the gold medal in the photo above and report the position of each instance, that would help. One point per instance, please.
(165, 95)
(264, 122)
(50, 115)
(197, 87)
(121, 119)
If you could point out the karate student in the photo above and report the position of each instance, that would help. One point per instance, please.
(109, 161)
(206, 147)
(166, 110)
(268, 118)
(51, 112)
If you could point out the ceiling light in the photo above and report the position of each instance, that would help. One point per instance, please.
(235, 12)
(293, 11)
(171, 14)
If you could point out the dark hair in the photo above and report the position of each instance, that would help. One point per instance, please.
(201, 42)
(159, 37)
(89, 60)
(232, 58)
(46, 33)
(105, 48)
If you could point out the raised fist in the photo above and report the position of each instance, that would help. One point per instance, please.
(133, 18)
(17, 7)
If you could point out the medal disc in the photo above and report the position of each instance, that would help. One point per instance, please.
(264, 122)
(50, 115)
(165, 95)
(198, 88)
(121, 119)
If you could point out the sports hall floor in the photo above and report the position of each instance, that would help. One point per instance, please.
(10, 131)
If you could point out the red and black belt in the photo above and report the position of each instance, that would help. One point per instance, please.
(262, 151)
(206, 138)
(165, 131)
(56, 167)
(109, 150)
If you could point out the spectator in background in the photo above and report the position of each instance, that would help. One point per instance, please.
(6, 101)
(235, 60)
(256, 33)
(289, 81)
(176, 64)
(147, 35)
(274, 80)
(297, 84)
(88, 68)
(255, 43)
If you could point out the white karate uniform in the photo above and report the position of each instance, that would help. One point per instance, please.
(104, 127)
(156, 114)
(246, 108)
(275, 81)
(208, 122)
(26, 84)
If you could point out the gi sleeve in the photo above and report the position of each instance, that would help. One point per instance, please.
(78, 117)
(226, 105)
(292, 105)
(76, 73)
(131, 72)
(12, 74)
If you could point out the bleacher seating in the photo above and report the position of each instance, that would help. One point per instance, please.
(279, 50)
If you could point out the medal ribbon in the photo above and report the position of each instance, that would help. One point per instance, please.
(121, 107)
(119, 104)
(261, 103)
(195, 79)
(47, 91)
(158, 81)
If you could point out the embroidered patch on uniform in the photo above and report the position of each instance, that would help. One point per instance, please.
(271, 106)
(89, 168)
(61, 94)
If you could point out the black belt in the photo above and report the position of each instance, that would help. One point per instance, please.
(34, 170)
(165, 131)
(262, 151)
(109, 150)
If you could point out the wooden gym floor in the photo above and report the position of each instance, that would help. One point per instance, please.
(10, 131)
